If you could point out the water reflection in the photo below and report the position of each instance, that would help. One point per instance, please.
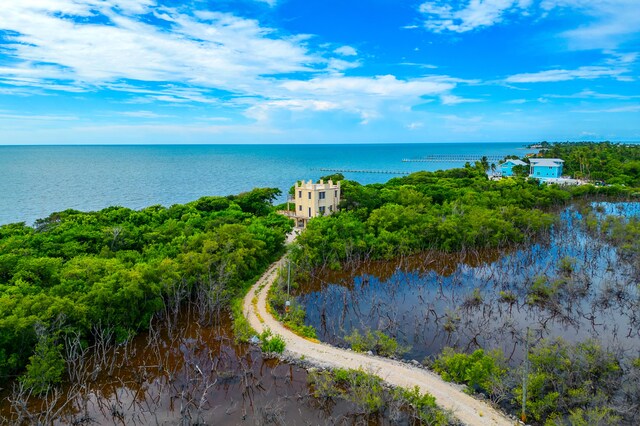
(571, 284)
(177, 373)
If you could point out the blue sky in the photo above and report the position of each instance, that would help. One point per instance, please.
(314, 71)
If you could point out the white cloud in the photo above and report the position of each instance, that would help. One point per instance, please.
(517, 101)
(473, 14)
(605, 24)
(621, 58)
(581, 73)
(449, 99)
(590, 94)
(346, 51)
(184, 57)
(363, 97)
(21, 117)
(143, 114)
(263, 110)
(621, 109)
(415, 64)
(271, 3)
(341, 65)
(383, 86)
(212, 50)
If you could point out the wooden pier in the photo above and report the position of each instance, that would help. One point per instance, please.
(386, 172)
(453, 159)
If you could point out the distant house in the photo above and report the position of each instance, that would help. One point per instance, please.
(315, 199)
(546, 168)
(506, 168)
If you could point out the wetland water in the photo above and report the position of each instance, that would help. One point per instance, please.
(186, 373)
(571, 284)
(181, 374)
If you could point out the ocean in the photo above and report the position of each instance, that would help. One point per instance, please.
(38, 180)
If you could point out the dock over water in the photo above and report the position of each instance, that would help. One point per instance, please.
(387, 172)
(451, 158)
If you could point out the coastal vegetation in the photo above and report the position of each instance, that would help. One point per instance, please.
(287, 309)
(79, 283)
(471, 315)
(373, 398)
(476, 279)
(449, 210)
(270, 343)
(480, 371)
(375, 342)
(603, 162)
(106, 275)
(565, 383)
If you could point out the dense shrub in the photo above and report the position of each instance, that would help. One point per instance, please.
(368, 393)
(565, 378)
(478, 370)
(271, 343)
(115, 268)
(459, 208)
(294, 317)
(376, 342)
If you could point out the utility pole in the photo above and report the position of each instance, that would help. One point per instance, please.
(289, 281)
(288, 303)
(525, 376)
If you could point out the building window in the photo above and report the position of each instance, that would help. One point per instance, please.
(300, 207)
(299, 194)
(309, 211)
(321, 209)
(336, 194)
(330, 208)
(309, 194)
(321, 195)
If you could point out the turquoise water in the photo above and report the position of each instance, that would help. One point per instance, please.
(38, 180)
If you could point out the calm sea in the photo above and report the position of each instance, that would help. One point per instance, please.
(38, 180)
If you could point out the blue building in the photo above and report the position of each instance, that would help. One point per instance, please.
(506, 168)
(546, 168)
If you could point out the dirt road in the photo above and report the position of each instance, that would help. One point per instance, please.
(466, 408)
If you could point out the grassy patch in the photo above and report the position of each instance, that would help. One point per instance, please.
(242, 330)
(376, 342)
(370, 395)
(293, 318)
(478, 370)
(271, 343)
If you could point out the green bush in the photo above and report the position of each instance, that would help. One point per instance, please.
(46, 366)
(421, 406)
(593, 416)
(368, 393)
(565, 378)
(376, 342)
(459, 208)
(478, 370)
(271, 343)
(118, 267)
(294, 318)
(356, 386)
(242, 330)
(543, 290)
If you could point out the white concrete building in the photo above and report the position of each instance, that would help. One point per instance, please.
(315, 199)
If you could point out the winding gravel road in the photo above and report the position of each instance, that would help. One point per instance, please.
(467, 409)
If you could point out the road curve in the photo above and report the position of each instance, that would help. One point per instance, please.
(467, 409)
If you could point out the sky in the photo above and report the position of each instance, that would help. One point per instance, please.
(318, 71)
